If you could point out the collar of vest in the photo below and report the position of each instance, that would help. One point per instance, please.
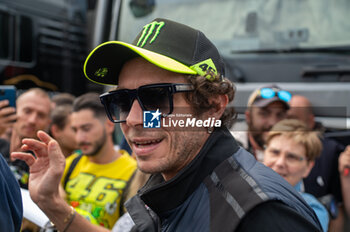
(157, 192)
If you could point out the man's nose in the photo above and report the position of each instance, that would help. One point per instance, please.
(281, 161)
(32, 118)
(79, 136)
(134, 117)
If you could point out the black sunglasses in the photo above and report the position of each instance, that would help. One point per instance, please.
(118, 103)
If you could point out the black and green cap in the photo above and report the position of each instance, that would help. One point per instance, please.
(167, 44)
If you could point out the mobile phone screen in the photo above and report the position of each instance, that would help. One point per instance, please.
(8, 92)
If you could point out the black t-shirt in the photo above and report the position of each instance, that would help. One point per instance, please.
(324, 176)
(274, 216)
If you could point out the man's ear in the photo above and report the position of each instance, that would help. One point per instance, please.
(220, 102)
(312, 120)
(109, 126)
(54, 130)
(310, 165)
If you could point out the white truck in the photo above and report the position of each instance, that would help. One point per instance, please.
(302, 45)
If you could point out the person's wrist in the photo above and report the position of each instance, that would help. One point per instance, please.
(69, 219)
(60, 214)
(50, 202)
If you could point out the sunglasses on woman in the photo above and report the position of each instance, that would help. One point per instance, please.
(118, 103)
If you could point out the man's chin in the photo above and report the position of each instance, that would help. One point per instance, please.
(147, 167)
(259, 139)
(89, 154)
(29, 135)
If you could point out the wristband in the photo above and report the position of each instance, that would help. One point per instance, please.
(69, 219)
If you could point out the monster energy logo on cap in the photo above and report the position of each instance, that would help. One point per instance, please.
(150, 33)
(148, 30)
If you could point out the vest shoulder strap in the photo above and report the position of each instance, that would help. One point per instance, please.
(70, 170)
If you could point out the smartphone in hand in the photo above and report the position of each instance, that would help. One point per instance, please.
(8, 92)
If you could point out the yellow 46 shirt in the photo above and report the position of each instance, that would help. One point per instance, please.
(95, 190)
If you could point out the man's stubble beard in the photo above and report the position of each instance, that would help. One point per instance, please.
(98, 145)
(189, 147)
(257, 134)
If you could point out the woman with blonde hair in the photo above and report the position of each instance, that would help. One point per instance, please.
(291, 150)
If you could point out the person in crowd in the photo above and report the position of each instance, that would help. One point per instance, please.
(324, 179)
(101, 169)
(62, 99)
(11, 212)
(61, 129)
(33, 114)
(291, 150)
(266, 106)
(344, 168)
(201, 179)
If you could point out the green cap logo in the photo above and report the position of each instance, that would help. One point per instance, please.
(101, 72)
(148, 30)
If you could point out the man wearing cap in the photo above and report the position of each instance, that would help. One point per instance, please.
(201, 179)
(266, 106)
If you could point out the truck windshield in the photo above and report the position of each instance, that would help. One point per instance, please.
(253, 25)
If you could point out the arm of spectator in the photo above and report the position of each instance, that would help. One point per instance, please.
(44, 180)
(7, 116)
(344, 168)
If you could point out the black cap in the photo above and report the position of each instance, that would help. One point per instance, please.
(167, 44)
(255, 99)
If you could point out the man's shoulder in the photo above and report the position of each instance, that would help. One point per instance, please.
(69, 161)
(125, 162)
(72, 157)
(125, 157)
(274, 216)
(268, 184)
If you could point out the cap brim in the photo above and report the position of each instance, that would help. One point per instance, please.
(104, 63)
(265, 102)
